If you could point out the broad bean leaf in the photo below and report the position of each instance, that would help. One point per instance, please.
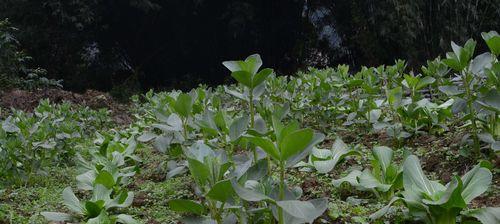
(182, 205)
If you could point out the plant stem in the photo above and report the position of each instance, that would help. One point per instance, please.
(496, 129)
(446, 218)
(472, 112)
(282, 192)
(184, 128)
(250, 104)
(252, 122)
(219, 213)
(214, 213)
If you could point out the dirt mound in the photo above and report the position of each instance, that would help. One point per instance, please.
(28, 100)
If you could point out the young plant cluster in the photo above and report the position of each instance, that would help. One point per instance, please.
(210, 139)
(238, 142)
(32, 142)
(459, 92)
(104, 176)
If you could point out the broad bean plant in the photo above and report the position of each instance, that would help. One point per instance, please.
(242, 139)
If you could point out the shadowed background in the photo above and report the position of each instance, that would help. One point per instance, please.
(135, 45)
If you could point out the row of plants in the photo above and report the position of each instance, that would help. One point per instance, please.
(426, 200)
(458, 90)
(238, 142)
(30, 143)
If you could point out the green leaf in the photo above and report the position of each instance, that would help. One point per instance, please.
(260, 126)
(467, 52)
(174, 122)
(394, 96)
(162, 143)
(261, 76)
(495, 146)
(249, 195)
(221, 191)
(266, 145)
(286, 130)
(368, 181)
(410, 81)
(238, 127)
(321, 154)
(339, 146)
(175, 171)
(324, 166)
(375, 115)
(475, 182)
(450, 90)
(451, 197)
(453, 62)
(126, 219)
(105, 178)
(425, 82)
(278, 127)
(56, 216)
(252, 63)
(184, 104)
(385, 209)
(220, 121)
(317, 138)
(338, 152)
(295, 142)
(481, 63)
(86, 180)
(182, 205)
(307, 211)
(92, 209)
(384, 156)
(491, 101)
(281, 111)
(244, 78)
(71, 201)
(492, 39)
(124, 200)
(460, 57)
(9, 126)
(414, 178)
(354, 82)
(101, 193)
(351, 178)
(146, 137)
(103, 218)
(238, 95)
(234, 66)
(199, 171)
(488, 215)
(256, 171)
(299, 209)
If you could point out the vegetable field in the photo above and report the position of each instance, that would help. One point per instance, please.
(382, 144)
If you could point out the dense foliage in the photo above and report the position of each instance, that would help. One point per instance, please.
(31, 143)
(15, 67)
(244, 149)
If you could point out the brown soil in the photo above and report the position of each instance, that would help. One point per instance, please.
(140, 199)
(485, 201)
(28, 100)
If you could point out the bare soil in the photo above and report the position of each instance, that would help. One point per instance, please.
(28, 100)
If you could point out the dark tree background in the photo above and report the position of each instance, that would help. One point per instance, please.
(142, 44)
